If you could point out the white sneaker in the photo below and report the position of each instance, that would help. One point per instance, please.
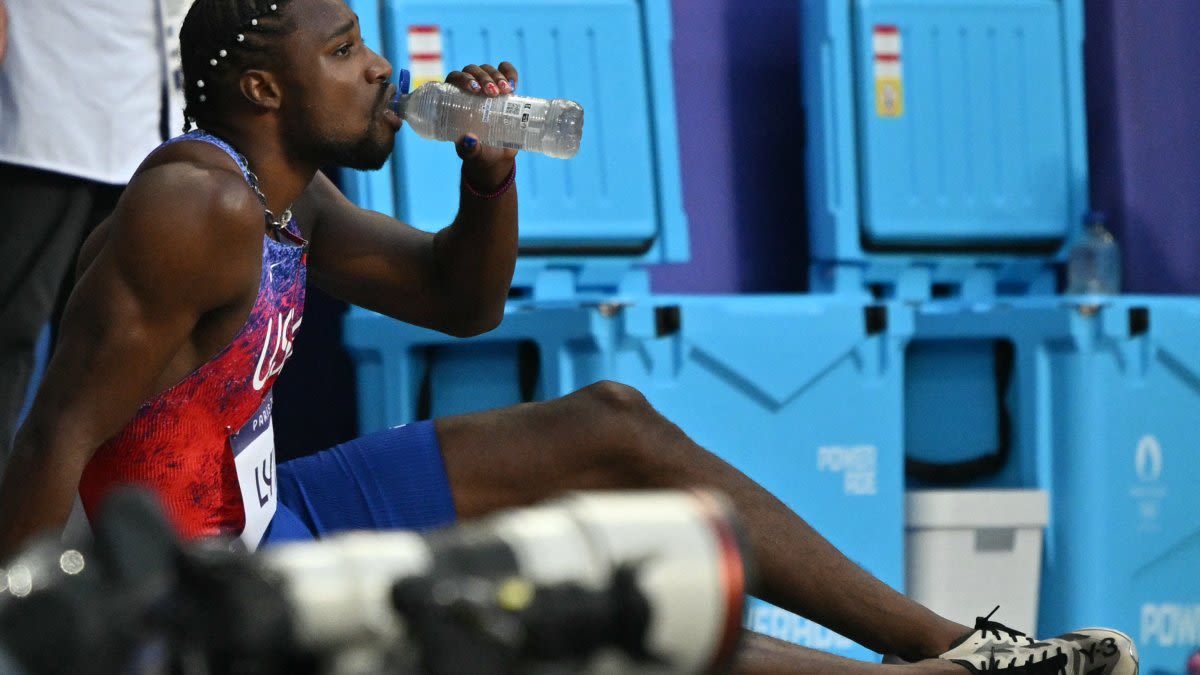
(994, 647)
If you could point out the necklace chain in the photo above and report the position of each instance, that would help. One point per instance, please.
(275, 224)
(272, 222)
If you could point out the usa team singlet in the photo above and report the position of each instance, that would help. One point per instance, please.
(206, 444)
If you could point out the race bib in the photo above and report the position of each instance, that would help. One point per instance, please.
(254, 455)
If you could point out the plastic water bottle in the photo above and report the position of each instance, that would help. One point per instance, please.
(443, 112)
(1094, 263)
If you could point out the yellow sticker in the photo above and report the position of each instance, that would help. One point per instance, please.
(418, 81)
(889, 97)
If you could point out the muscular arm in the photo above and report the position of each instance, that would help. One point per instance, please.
(455, 281)
(131, 318)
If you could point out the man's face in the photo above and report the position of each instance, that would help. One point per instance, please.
(336, 89)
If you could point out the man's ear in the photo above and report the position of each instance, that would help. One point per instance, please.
(262, 89)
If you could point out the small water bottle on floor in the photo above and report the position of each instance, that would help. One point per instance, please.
(1094, 262)
(441, 111)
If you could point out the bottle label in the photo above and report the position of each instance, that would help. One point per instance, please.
(517, 124)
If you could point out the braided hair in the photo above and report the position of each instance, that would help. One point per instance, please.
(220, 40)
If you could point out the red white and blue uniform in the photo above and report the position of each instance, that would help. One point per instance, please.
(205, 445)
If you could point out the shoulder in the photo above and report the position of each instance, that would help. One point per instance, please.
(194, 194)
(188, 215)
(197, 175)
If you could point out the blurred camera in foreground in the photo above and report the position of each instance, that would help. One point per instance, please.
(647, 582)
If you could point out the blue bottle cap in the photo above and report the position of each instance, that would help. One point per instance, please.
(404, 81)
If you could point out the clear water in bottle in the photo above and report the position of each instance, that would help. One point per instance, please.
(1094, 262)
(443, 112)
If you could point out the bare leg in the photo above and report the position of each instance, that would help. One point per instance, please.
(608, 436)
(761, 655)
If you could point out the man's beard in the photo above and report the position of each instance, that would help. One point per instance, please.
(365, 153)
(368, 153)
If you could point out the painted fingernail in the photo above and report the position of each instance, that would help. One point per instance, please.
(470, 142)
(473, 85)
(504, 86)
(512, 84)
(491, 88)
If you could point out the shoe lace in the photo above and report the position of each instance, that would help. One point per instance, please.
(985, 625)
(1049, 665)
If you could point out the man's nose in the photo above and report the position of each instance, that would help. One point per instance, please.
(381, 69)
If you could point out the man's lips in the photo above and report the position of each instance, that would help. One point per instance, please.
(389, 112)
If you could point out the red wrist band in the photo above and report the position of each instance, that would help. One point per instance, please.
(504, 187)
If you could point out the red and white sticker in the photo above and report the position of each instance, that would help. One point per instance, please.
(889, 71)
(425, 55)
(886, 41)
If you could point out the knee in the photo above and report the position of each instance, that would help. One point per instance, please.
(624, 419)
(615, 401)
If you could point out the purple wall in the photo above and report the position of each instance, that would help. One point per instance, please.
(737, 86)
(1143, 134)
(742, 163)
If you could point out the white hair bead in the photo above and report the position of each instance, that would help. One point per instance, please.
(241, 37)
(253, 22)
(203, 98)
(274, 7)
(200, 83)
(223, 53)
(213, 61)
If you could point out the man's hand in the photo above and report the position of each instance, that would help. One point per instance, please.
(485, 167)
(3, 31)
(455, 281)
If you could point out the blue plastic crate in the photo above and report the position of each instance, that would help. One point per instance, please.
(1102, 403)
(801, 393)
(946, 144)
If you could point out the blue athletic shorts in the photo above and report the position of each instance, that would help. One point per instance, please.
(388, 480)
